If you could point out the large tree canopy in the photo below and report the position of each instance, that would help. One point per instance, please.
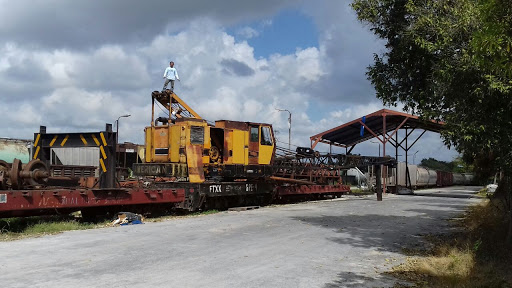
(449, 60)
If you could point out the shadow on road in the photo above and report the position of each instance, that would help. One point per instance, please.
(353, 280)
(387, 233)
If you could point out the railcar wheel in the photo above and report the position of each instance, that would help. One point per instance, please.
(16, 181)
(37, 171)
(3, 180)
(4, 166)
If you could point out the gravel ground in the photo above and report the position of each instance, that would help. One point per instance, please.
(347, 242)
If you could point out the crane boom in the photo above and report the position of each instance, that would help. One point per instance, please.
(175, 105)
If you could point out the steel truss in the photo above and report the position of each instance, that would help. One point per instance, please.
(323, 168)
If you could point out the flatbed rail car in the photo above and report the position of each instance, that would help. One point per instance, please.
(190, 164)
(145, 195)
(189, 196)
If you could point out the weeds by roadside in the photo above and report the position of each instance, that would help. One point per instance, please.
(359, 191)
(18, 228)
(483, 193)
(474, 257)
(183, 215)
(37, 226)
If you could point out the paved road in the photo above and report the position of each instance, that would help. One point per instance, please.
(452, 192)
(346, 242)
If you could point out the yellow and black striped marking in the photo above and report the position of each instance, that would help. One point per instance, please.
(53, 140)
(64, 141)
(86, 139)
(83, 139)
(95, 140)
(103, 154)
(36, 143)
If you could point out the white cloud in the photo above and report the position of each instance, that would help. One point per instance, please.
(247, 32)
(80, 90)
(84, 24)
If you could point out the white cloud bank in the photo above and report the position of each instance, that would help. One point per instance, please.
(81, 90)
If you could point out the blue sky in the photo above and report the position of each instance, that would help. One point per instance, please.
(282, 33)
(76, 65)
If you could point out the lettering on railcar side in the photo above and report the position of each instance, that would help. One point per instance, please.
(250, 187)
(215, 189)
(149, 169)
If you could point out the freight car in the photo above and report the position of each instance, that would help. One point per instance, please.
(189, 164)
(419, 177)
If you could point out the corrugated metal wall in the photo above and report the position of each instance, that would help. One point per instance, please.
(84, 156)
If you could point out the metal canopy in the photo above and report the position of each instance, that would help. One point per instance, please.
(382, 125)
(377, 124)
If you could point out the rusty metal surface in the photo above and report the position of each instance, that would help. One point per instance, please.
(16, 181)
(311, 189)
(195, 163)
(291, 180)
(73, 171)
(232, 125)
(177, 108)
(105, 140)
(4, 166)
(348, 134)
(35, 173)
(3, 180)
(32, 202)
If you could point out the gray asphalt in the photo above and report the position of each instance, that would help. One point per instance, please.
(347, 242)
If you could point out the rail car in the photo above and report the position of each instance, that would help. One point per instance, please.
(189, 164)
(422, 177)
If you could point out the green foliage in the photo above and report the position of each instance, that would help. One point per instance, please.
(448, 60)
(458, 165)
(15, 228)
(437, 165)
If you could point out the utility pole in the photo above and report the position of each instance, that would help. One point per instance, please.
(289, 127)
(376, 143)
(117, 136)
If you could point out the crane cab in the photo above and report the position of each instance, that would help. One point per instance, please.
(228, 142)
(190, 147)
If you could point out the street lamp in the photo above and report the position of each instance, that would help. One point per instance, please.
(376, 143)
(117, 126)
(289, 126)
(414, 157)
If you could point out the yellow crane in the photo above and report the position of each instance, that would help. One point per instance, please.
(185, 146)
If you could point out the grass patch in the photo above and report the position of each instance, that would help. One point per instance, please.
(207, 212)
(25, 227)
(18, 228)
(359, 191)
(474, 257)
(183, 215)
(483, 193)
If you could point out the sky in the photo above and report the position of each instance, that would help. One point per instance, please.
(73, 66)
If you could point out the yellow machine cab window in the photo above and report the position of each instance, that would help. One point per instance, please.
(254, 134)
(266, 137)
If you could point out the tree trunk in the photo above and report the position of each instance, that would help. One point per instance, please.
(504, 193)
(509, 233)
(508, 203)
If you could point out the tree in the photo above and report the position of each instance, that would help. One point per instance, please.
(449, 60)
(457, 165)
(434, 164)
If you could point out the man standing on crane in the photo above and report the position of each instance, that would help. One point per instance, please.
(170, 75)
